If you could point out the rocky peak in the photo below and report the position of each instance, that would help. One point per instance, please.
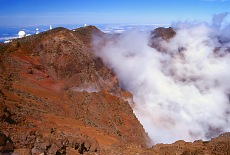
(164, 33)
(161, 34)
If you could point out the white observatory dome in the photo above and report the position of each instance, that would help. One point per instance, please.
(37, 31)
(21, 34)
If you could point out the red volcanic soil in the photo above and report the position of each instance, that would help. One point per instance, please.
(56, 97)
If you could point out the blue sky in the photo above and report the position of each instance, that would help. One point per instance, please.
(45, 12)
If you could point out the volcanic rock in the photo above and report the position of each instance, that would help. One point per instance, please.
(161, 34)
(6, 144)
(56, 96)
(164, 33)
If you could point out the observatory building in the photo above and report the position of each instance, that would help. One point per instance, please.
(37, 30)
(21, 34)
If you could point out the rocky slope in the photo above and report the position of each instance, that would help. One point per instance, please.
(56, 97)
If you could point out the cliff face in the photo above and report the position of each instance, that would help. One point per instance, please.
(56, 97)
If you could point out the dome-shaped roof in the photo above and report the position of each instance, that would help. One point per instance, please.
(21, 34)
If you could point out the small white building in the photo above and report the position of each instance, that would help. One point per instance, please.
(7, 41)
(37, 30)
(21, 34)
(51, 27)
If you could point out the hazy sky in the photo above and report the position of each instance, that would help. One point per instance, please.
(36, 12)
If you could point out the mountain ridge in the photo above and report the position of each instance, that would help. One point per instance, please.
(57, 97)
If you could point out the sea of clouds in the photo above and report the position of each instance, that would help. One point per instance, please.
(182, 91)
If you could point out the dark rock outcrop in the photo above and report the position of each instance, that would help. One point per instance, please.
(161, 34)
(6, 144)
(164, 33)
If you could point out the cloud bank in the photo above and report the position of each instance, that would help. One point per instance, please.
(180, 92)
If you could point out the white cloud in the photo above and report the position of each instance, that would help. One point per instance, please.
(177, 95)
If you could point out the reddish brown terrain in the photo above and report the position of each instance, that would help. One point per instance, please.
(56, 97)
